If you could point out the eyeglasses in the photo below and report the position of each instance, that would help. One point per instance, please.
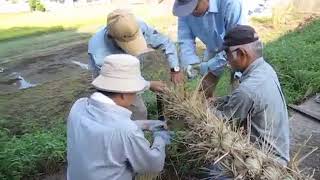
(226, 52)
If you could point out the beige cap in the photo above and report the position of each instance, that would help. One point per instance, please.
(124, 29)
(120, 73)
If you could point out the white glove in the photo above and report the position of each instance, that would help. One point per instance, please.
(193, 70)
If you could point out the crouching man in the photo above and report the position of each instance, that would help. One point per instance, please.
(258, 104)
(103, 142)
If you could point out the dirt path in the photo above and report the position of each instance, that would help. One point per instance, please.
(302, 128)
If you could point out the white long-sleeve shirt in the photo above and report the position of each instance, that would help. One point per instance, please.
(105, 144)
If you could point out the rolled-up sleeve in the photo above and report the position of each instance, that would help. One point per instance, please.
(187, 45)
(142, 157)
(158, 41)
(238, 106)
(235, 13)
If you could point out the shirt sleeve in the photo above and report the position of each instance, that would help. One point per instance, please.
(98, 48)
(93, 67)
(214, 65)
(187, 44)
(158, 41)
(142, 157)
(238, 106)
(235, 13)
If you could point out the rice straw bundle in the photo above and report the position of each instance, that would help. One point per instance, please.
(209, 139)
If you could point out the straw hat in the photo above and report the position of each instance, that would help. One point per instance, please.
(120, 73)
(125, 30)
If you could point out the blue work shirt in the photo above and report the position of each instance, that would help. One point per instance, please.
(100, 46)
(211, 28)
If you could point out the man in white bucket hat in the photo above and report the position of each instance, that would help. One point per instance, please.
(103, 142)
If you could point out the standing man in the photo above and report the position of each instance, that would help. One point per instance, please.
(125, 34)
(208, 20)
(103, 142)
(258, 104)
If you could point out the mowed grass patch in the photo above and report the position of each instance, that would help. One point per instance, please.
(40, 107)
(38, 45)
(13, 26)
(19, 25)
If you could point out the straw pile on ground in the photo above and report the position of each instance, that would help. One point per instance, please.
(209, 139)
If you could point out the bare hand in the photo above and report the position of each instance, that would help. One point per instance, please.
(177, 77)
(157, 86)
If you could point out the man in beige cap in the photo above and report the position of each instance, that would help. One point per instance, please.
(103, 142)
(125, 34)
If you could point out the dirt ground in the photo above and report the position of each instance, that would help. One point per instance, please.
(70, 61)
(44, 67)
(302, 128)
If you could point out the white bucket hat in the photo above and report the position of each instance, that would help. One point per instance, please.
(120, 73)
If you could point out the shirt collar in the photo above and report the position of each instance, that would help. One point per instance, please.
(103, 101)
(213, 6)
(97, 96)
(251, 67)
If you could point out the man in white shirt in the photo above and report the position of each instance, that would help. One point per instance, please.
(103, 142)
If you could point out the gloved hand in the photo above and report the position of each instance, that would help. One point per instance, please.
(165, 135)
(151, 125)
(192, 70)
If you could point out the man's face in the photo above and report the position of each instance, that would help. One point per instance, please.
(237, 58)
(201, 8)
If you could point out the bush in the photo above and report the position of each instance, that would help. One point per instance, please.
(33, 4)
(36, 5)
(40, 7)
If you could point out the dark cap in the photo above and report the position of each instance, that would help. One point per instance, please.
(239, 35)
(184, 7)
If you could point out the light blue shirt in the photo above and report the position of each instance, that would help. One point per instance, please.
(101, 46)
(259, 96)
(211, 28)
(105, 144)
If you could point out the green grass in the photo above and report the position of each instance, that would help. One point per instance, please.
(13, 26)
(19, 25)
(32, 153)
(31, 45)
(296, 58)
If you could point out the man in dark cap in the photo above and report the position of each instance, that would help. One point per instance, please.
(207, 20)
(258, 104)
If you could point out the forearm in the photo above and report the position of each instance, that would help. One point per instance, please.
(208, 84)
